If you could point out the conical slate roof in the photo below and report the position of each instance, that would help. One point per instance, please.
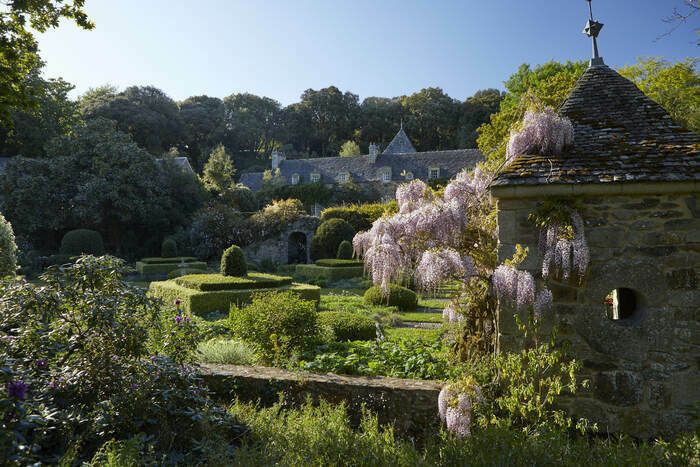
(400, 144)
(619, 135)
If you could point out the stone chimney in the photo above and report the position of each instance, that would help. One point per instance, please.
(373, 153)
(277, 157)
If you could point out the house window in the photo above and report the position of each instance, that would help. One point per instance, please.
(295, 179)
(433, 173)
(315, 177)
(386, 175)
(343, 177)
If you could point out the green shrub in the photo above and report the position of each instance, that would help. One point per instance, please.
(168, 248)
(212, 282)
(82, 242)
(202, 303)
(401, 297)
(360, 216)
(313, 272)
(277, 324)
(348, 326)
(339, 263)
(233, 262)
(225, 352)
(179, 272)
(344, 250)
(175, 260)
(328, 237)
(160, 269)
(8, 249)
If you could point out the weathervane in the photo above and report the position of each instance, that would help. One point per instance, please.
(592, 30)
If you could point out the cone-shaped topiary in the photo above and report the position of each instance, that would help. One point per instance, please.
(82, 242)
(8, 249)
(233, 262)
(168, 248)
(344, 250)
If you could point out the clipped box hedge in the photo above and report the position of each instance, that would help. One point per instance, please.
(174, 259)
(339, 263)
(161, 268)
(348, 326)
(314, 271)
(199, 302)
(213, 282)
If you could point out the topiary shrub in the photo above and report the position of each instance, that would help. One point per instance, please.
(344, 250)
(328, 237)
(401, 297)
(82, 242)
(233, 262)
(8, 249)
(168, 248)
(277, 324)
(348, 326)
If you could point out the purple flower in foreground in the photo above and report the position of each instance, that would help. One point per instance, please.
(42, 363)
(178, 319)
(177, 302)
(17, 389)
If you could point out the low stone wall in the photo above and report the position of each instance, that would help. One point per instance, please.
(409, 405)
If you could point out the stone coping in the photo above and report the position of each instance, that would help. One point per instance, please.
(621, 188)
(264, 372)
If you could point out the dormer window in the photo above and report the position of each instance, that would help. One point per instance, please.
(295, 179)
(343, 177)
(433, 173)
(315, 177)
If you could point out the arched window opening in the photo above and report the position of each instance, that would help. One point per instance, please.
(622, 304)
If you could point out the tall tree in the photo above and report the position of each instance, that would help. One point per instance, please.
(218, 171)
(349, 148)
(19, 50)
(204, 123)
(250, 122)
(379, 120)
(476, 111)
(675, 86)
(431, 118)
(53, 115)
(146, 113)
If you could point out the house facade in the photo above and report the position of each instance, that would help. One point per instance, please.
(398, 163)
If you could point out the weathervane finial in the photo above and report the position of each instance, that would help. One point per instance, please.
(592, 30)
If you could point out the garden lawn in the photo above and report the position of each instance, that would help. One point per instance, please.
(394, 334)
(421, 317)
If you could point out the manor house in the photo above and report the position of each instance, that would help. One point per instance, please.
(383, 171)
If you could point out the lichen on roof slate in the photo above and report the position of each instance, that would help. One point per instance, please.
(620, 135)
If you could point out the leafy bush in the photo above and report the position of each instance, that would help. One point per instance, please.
(276, 324)
(216, 226)
(8, 249)
(156, 269)
(348, 326)
(325, 274)
(416, 359)
(328, 237)
(74, 390)
(211, 282)
(168, 249)
(401, 297)
(225, 352)
(275, 217)
(82, 241)
(360, 216)
(233, 262)
(344, 250)
(175, 260)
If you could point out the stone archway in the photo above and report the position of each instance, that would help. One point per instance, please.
(297, 248)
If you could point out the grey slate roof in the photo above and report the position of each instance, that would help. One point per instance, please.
(183, 163)
(400, 144)
(619, 135)
(361, 170)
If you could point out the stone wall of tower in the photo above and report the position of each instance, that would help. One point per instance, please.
(645, 370)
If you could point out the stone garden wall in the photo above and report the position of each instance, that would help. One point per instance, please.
(276, 248)
(644, 370)
(409, 405)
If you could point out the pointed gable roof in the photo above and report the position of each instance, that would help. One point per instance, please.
(619, 135)
(400, 144)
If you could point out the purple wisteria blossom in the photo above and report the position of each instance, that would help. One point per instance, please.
(545, 133)
(437, 266)
(409, 196)
(543, 303)
(562, 254)
(17, 389)
(514, 287)
(455, 409)
(451, 314)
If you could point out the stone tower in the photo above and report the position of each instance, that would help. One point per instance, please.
(634, 322)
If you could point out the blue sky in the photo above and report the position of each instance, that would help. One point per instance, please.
(385, 48)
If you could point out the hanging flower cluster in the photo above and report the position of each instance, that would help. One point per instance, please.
(455, 408)
(451, 315)
(544, 132)
(564, 249)
(424, 234)
(517, 289)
